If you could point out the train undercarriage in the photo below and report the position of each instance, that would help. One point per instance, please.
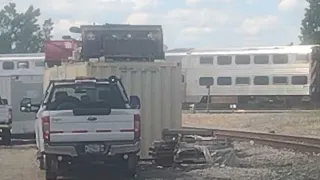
(254, 103)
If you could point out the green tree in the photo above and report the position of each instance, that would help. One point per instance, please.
(310, 26)
(21, 32)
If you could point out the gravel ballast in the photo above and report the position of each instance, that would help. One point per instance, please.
(304, 123)
(257, 163)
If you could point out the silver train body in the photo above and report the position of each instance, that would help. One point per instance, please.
(21, 75)
(256, 76)
(22, 64)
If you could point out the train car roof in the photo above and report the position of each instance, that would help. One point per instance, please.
(256, 50)
(18, 57)
(22, 55)
(242, 50)
(178, 51)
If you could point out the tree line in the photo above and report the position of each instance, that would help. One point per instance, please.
(310, 25)
(21, 32)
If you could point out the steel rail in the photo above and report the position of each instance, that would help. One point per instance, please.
(309, 144)
(245, 111)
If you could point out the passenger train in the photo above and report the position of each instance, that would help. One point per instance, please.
(22, 64)
(257, 77)
(21, 75)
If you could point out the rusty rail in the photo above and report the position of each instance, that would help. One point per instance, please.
(308, 144)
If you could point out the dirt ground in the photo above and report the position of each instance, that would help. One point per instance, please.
(289, 123)
(257, 163)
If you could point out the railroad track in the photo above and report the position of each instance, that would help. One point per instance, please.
(243, 111)
(299, 143)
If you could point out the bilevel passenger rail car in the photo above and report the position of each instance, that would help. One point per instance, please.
(22, 64)
(20, 76)
(278, 77)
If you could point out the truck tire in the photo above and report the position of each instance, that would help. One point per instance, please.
(51, 167)
(42, 165)
(131, 166)
(41, 160)
(6, 136)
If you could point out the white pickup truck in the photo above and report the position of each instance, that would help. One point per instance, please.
(84, 121)
(5, 121)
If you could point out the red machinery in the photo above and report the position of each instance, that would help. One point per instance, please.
(57, 51)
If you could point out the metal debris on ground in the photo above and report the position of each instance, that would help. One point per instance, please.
(189, 146)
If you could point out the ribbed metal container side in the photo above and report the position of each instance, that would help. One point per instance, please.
(65, 71)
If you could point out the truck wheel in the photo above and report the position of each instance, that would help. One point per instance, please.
(51, 168)
(42, 163)
(41, 160)
(131, 166)
(6, 136)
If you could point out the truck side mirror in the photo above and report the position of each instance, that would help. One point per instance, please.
(5, 101)
(135, 102)
(25, 105)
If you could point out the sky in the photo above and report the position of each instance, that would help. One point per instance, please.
(186, 23)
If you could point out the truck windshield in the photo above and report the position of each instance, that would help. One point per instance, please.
(71, 96)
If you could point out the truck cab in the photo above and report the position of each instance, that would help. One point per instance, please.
(86, 120)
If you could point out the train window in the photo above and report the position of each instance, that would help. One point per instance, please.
(7, 65)
(299, 80)
(280, 80)
(261, 80)
(204, 81)
(261, 59)
(224, 81)
(39, 63)
(280, 59)
(23, 64)
(242, 59)
(302, 58)
(206, 60)
(242, 80)
(224, 60)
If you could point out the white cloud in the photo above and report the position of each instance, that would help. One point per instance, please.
(251, 41)
(194, 24)
(83, 9)
(194, 2)
(285, 5)
(142, 4)
(61, 27)
(257, 24)
(190, 26)
(138, 18)
(183, 24)
(197, 30)
(83, 6)
(191, 35)
(204, 16)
